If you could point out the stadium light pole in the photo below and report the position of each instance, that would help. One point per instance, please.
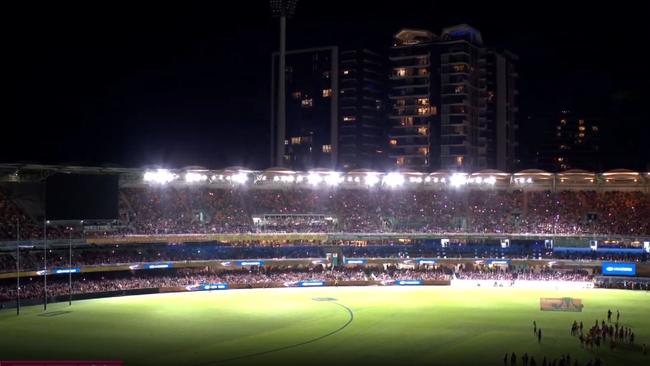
(70, 268)
(282, 9)
(44, 264)
(17, 267)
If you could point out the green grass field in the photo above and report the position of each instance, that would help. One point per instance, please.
(367, 325)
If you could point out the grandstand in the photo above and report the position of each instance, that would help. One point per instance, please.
(524, 235)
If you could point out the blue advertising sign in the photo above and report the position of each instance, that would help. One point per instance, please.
(66, 270)
(426, 261)
(355, 261)
(311, 283)
(408, 282)
(157, 265)
(215, 286)
(499, 262)
(619, 269)
(250, 263)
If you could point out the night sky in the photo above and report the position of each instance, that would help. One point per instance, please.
(188, 83)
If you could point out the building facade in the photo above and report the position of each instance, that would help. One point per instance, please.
(334, 109)
(438, 95)
(499, 129)
(311, 131)
(572, 142)
(362, 113)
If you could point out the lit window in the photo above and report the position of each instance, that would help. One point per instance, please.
(345, 72)
(349, 118)
(581, 122)
(393, 142)
(461, 89)
(327, 93)
(423, 101)
(423, 131)
(423, 150)
(423, 72)
(296, 140)
(423, 110)
(400, 161)
(459, 68)
(327, 149)
(307, 103)
(594, 128)
(563, 121)
(581, 128)
(581, 135)
(296, 95)
(400, 72)
(406, 121)
(433, 110)
(459, 160)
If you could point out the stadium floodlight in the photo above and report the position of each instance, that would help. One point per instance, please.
(490, 180)
(299, 179)
(435, 180)
(160, 176)
(393, 179)
(357, 180)
(478, 180)
(458, 179)
(333, 178)
(427, 179)
(314, 179)
(240, 178)
(371, 179)
(192, 177)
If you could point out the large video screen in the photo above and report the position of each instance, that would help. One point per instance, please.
(81, 197)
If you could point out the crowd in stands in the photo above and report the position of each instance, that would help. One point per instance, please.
(182, 210)
(128, 254)
(32, 259)
(32, 287)
(497, 274)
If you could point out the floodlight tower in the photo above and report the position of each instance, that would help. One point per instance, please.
(282, 9)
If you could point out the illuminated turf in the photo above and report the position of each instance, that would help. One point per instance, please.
(372, 325)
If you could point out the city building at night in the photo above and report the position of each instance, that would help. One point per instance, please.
(334, 111)
(438, 94)
(498, 141)
(571, 142)
(362, 116)
(311, 131)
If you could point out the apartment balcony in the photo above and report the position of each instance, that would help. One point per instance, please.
(410, 82)
(414, 58)
(408, 75)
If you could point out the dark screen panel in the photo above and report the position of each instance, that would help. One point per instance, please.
(81, 197)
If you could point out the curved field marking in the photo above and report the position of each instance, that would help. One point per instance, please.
(255, 354)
